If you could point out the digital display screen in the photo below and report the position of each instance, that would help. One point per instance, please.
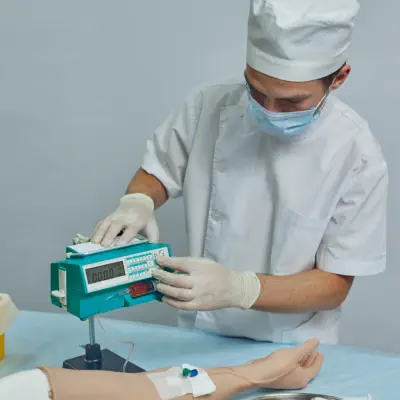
(105, 272)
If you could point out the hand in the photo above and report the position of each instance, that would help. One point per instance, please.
(287, 368)
(134, 214)
(205, 285)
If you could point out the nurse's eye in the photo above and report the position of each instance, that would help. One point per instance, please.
(260, 98)
(292, 104)
(293, 101)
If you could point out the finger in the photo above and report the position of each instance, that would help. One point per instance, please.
(306, 348)
(314, 369)
(100, 231)
(181, 264)
(111, 234)
(304, 360)
(126, 237)
(151, 231)
(311, 359)
(180, 281)
(180, 305)
(174, 292)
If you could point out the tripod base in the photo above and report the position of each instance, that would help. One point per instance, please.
(109, 362)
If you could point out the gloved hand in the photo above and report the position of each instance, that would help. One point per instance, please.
(134, 214)
(205, 284)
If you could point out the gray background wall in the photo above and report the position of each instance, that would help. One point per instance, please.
(82, 84)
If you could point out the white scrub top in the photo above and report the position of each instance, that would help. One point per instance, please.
(272, 205)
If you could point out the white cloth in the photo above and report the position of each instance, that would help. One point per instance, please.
(300, 40)
(273, 205)
(8, 312)
(32, 385)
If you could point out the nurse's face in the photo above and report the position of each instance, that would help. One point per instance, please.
(277, 95)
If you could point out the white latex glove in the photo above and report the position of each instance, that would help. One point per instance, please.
(205, 285)
(134, 214)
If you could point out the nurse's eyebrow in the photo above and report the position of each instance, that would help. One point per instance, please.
(293, 97)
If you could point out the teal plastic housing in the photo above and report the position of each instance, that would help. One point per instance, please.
(84, 304)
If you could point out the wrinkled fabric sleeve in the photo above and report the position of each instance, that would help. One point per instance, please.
(168, 148)
(354, 243)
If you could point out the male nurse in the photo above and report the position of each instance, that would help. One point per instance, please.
(284, 185)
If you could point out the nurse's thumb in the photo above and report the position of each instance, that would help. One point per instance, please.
(151, 231)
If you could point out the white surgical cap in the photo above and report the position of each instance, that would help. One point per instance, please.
(300, 40)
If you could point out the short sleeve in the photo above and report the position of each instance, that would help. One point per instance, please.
(168, 148)
(354, 243)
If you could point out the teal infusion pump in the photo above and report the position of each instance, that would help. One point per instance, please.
(93, 280)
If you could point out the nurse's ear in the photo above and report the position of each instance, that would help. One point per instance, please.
(337, 79)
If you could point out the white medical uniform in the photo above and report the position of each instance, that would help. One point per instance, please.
(280, 206)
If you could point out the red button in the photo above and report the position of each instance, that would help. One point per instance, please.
(141, 288)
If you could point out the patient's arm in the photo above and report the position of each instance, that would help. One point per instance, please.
(84, 385)
(284, 369)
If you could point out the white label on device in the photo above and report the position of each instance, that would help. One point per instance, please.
(90, 248)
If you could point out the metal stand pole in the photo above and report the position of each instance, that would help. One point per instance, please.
(92, 336)
(92, 350)
(97, 359)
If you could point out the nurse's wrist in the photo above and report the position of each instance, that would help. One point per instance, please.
(245, 289)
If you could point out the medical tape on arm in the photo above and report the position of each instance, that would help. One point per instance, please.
(171, 384)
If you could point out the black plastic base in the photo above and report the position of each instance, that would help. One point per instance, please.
(109, 362)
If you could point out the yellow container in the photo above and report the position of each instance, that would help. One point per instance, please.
(1, 347)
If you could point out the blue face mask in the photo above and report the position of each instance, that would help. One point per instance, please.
(283, 123)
